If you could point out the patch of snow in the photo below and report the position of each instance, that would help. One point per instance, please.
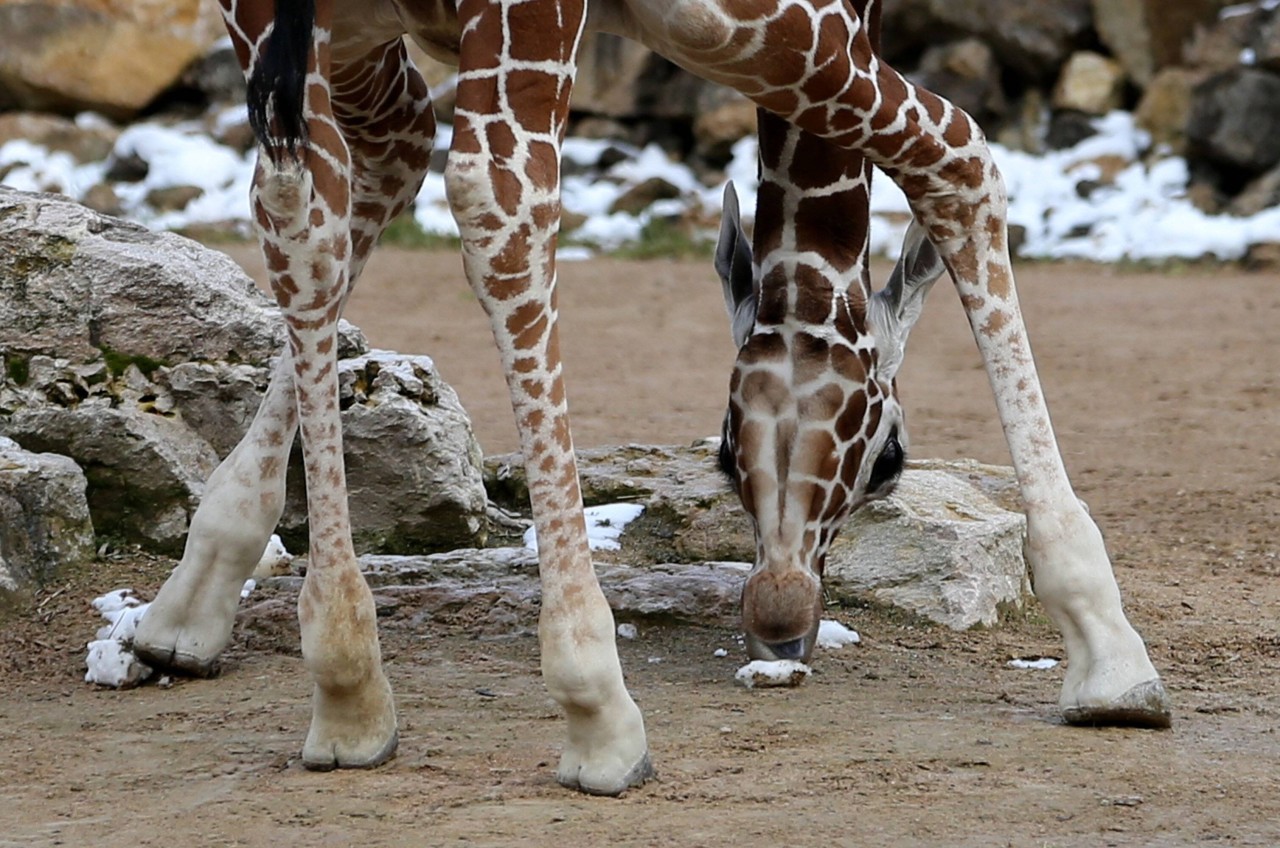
(275, 559)
(770, 673)
(1246, 8)
(1039, 663)
(1136, 210)
(109, 661)
(833, 634)
(604, 526)
(574, 253)
(720, 652)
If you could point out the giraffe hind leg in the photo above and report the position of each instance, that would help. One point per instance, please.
(504, 188)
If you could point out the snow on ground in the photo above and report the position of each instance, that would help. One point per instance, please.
(1133, 205)
(770, 673)
(834, 635)
(110, 662)
(1037, 663)
(604, 526)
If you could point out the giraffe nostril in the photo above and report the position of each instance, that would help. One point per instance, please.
(793, 649)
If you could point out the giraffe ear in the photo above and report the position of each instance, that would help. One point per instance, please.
(894, 310)
(734, 265)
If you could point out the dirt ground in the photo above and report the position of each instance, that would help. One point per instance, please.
(1165, 392)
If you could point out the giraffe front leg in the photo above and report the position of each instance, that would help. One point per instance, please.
(1110, 679)
(190, 621)
(503, 181)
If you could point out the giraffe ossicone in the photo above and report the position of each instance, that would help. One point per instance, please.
(814, 428)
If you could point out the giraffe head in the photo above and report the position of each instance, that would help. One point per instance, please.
(814, 429)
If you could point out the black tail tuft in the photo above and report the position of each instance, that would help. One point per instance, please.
(278, 84)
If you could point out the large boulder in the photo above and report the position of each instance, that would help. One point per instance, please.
(1235, 120)
(144, 357)
(145, 470)
(84, 286)
(44, 517)
(1147, 35)
(1032, 39)
(413, 464)
(110, 57)
(946, 546)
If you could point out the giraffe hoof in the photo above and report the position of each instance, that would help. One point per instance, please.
(1145, 705)
(173, 659)
(351, 728)
(319, 759)
(601, 783)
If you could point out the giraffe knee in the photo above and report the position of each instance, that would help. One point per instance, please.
(470, 192)
(283, 191)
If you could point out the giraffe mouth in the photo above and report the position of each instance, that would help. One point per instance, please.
(781, 611)
(799, 649)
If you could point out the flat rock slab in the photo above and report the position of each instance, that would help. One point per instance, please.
(496, 591)
(947, 545)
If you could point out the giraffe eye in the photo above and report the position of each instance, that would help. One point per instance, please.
(888, 465)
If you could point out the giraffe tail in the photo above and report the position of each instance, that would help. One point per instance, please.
(277, 84)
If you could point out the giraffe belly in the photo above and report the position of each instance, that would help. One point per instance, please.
(432, 24)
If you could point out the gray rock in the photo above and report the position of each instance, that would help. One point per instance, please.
(1235, 120)
(216, 399)
(83, 286)
(145, 470)
(1033, 39)
(966, 73)
(1147, 35)
(947, 546)
(498, 588)
(413, 464)
(691, 515)
(44, 517)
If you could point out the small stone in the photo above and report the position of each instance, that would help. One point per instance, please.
(173, 198)
(1089, 83)
(103, 198)
(628, 631)
(640, 197)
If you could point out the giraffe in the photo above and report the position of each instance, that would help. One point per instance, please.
(345, 128)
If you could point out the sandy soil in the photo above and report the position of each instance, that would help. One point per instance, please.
(1164, 389)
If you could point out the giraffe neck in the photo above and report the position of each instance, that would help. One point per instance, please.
(811, 231)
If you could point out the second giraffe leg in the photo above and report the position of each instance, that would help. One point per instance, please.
(960, 198)
(503, 180)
